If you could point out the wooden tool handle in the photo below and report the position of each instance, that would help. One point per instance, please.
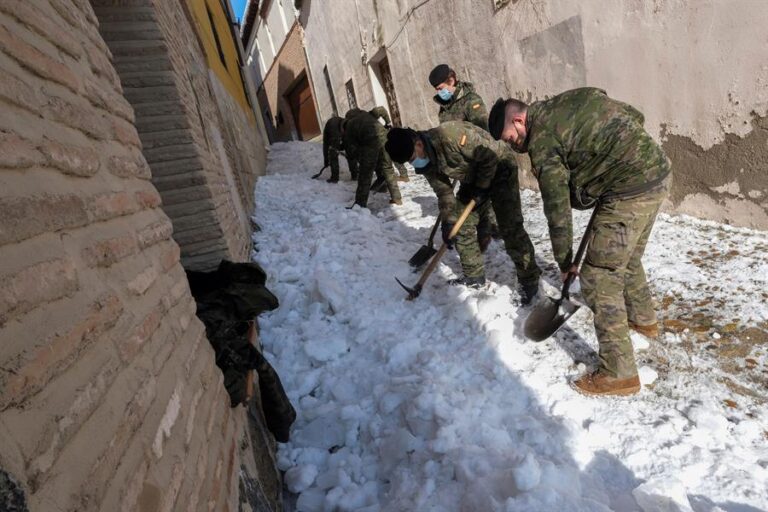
(436, 258)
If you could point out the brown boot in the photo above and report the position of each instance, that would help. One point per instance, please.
(598, 383)
(398, 202)
(403, 177)
(649, 331)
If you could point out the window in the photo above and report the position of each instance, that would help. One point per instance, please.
(351, 98)
(216, 36)
(330, 91)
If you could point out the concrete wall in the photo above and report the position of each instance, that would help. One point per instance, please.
(109, 395)
(698, 70)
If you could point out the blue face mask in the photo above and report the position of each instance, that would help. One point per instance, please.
(445, 94)
(420, 163)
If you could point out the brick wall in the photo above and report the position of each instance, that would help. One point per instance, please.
(165, 77)
(109, 395)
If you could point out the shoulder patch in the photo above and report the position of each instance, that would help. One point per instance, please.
(463, 140)
(475, 106)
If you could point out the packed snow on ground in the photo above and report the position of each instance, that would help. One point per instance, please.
(441, 404)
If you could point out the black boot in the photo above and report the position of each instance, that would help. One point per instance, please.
(469, 282)
(333, 179)
(528, 292)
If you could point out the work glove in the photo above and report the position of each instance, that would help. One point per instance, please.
(446, 228)
(468, 192)
(388, 126)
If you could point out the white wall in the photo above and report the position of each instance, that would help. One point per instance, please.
(698, 70)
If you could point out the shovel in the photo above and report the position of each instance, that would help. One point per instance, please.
(315, 176)
(416, 290)
(426, 251)
(549, 315)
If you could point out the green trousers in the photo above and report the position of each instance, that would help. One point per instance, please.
(613, 280)
(505, 203)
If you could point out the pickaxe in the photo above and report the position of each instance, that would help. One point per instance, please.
(416, 290)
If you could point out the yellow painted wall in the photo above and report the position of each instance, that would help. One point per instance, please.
(228, 72)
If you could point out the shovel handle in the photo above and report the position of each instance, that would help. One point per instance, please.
(436, 258)
(580, 253)
(434, 231)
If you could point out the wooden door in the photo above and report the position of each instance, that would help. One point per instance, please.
(389, 91)
(303, 110)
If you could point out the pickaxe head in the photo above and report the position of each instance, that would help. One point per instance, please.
(412, 292)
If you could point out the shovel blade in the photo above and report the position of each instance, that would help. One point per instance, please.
(547, 317)
(422, 256)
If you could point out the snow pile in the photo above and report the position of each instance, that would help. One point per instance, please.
(441, 405)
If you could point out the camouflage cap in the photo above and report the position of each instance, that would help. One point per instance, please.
(496, 118)
(439, 74)
(400, 144)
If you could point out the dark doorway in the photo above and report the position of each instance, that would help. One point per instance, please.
(303, 109)
(389, 89)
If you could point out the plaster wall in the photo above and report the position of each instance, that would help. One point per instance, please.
(697, 70)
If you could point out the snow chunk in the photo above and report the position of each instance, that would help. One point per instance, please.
(299, 478)
(639, 342)
(647, 375)
(665, 494)
(528, 474)
(328, 290)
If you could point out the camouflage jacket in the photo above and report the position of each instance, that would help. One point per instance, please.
(376, 112)
(584, 147)
(362, 131)
(465, 105)
(461, 151)
(331, 140)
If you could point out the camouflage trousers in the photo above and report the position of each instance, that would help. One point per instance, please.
(373, 158)
(613, 280)
(334, 163)
(505, 203)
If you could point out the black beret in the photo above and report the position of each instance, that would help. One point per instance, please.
(496, 118)
(400, 144)
(439, 75)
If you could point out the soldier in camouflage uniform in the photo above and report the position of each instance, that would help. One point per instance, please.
(487, 171)
(332, 145)
(458, 101)
(589, 150)
(363, 137)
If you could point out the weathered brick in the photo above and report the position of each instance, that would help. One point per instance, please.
(17, 152)
(143, 280)
(42, 282)
(81, 117)
(76, 161)
(58, 352)
(27, 15)
(172, 489)
(105, 253)
(109, 99)
(19, 92)
(154, 233)
(130, 345)
(148, 198)
(125, 133)
(36, 61)
(27, 216)
(129, 167)
(131, 420)
(169, 256)
(110, 205)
